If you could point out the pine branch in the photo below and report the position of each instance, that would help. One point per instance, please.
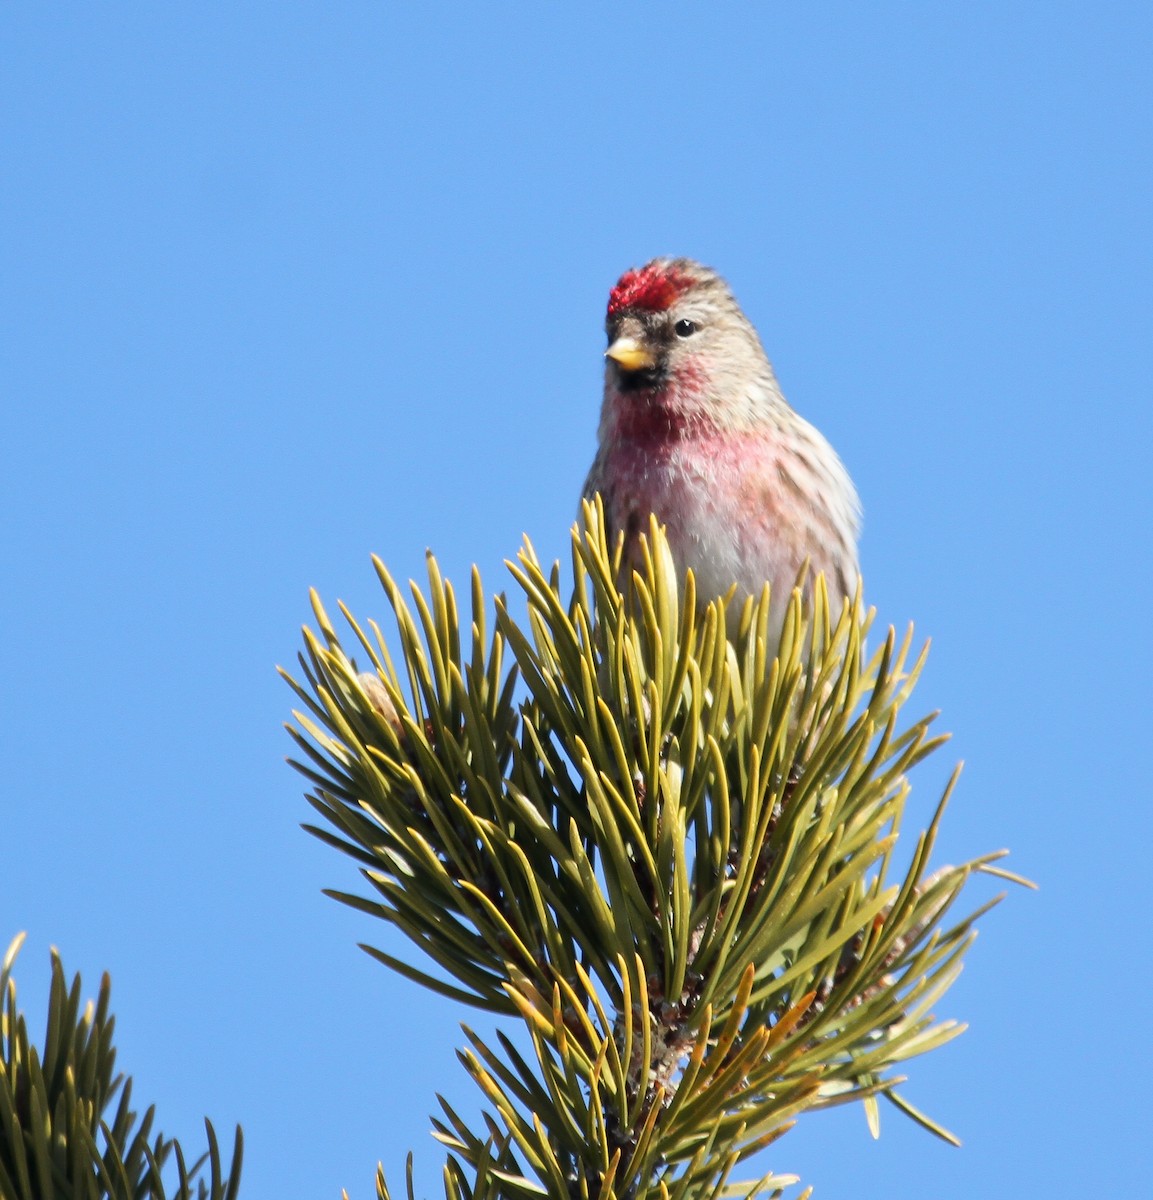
(670, 855)
(59, 1139)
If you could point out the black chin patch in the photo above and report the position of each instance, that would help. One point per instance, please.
(648, 380)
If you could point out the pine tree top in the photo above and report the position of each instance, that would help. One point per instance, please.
(671, 855)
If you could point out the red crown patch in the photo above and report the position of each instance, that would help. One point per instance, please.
(652, 288)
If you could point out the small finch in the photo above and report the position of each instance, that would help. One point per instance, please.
(695, 430)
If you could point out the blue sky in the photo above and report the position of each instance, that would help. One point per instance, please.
(286, 285)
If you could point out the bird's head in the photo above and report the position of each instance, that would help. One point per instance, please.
(678, 339)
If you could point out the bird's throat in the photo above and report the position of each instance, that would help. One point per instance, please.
(649, 420)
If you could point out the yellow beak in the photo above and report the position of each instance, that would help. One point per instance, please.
(630, 355)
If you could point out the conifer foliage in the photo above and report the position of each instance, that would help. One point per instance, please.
(67, 1127)
(672, 856)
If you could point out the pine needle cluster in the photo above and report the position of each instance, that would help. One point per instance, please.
(67, 1127)
(672, 856)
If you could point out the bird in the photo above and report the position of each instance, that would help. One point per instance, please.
(694, 429)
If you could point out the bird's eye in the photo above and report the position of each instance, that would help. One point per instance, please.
(684, 329)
